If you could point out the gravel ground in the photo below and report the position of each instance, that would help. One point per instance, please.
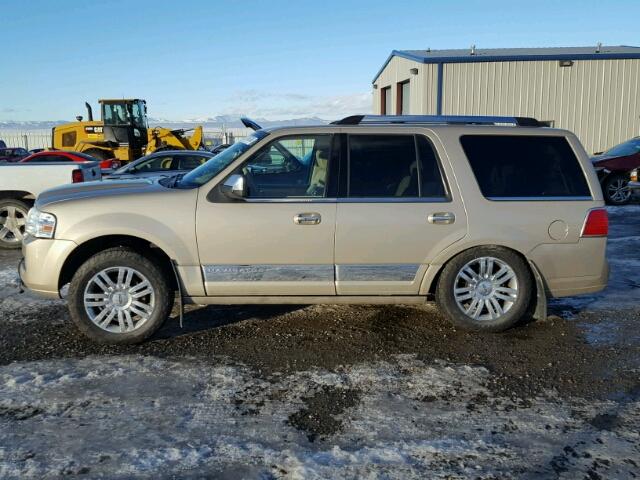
(329, 391)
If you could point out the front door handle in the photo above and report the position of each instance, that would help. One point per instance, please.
(442, 218)
(311, 218)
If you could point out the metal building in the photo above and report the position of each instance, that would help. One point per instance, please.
(592, 91)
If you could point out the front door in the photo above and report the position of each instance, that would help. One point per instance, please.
(279, 240)
(395, 215)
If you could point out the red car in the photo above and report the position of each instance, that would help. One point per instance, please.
(64, 156)
(613, 167)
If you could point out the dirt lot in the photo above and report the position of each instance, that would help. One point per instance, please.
(329, 391)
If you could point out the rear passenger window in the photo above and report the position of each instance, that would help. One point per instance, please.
(382, 166)
(510, 166)
(387, 166)
(431, 181)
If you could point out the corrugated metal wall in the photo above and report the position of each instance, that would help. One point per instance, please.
(599, 100)
(423, 87)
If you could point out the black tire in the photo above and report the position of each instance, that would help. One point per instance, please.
(517, 309)
(99, 153)
(13, 216)
(615, 189)
(120, 257)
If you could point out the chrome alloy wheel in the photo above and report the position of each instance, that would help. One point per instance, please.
(618, 190)
(119, 299)
(12, 222)
(485, 288)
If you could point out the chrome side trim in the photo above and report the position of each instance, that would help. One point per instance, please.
(268, 273)
(539, 199)
(350, 200)
(291, 200)
(377, 273)
(394, 200)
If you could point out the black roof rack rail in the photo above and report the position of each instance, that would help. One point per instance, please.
(435, 119)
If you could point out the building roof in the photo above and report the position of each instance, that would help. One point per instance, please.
(514, 54)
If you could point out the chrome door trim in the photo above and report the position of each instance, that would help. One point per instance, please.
(400, 272)
(351, 200)
(394, 200)
(540, 199)
(268, 273)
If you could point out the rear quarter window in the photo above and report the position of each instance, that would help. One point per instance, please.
(519, 166)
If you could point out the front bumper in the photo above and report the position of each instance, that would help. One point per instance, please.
(42, 263)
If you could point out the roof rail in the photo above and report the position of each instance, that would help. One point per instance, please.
(448, 119)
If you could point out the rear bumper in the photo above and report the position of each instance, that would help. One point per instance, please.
(40, 268)
(573, 269)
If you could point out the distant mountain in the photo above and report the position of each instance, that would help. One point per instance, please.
(220, 121)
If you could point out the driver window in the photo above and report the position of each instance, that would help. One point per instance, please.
(290, 167)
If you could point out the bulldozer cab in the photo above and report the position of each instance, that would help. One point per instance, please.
(125, 123)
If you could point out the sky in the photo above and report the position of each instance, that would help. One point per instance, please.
(193, 59)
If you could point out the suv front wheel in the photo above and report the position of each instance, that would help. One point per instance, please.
(485, 289)
(119, 296)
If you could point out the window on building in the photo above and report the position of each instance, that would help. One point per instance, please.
(385, 101)
(519, 166)
(402, 98)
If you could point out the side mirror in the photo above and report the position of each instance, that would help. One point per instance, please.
(234, 187)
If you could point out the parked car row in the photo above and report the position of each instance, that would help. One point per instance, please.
(52, 156)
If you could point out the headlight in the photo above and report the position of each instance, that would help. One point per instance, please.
(40, 224)
(634, 175)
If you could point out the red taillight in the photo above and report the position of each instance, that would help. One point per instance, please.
(596, 224)
(76, 176)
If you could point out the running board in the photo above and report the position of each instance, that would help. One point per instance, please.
(309, 300)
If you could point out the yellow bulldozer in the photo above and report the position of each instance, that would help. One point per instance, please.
(123, 133)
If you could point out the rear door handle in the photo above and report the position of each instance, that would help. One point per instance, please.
(442, 218)
(311, 218)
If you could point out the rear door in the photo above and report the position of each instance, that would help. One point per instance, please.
(396, 212)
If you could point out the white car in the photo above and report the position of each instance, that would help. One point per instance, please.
(21, 183)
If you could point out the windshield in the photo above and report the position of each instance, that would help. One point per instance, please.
(124, 114)
(629, 147)
(215, 165)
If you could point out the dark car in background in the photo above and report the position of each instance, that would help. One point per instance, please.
(162, 163)
(50, 156)
(613, 167)
(13, 154)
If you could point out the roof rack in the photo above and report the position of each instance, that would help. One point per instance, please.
(447, 119)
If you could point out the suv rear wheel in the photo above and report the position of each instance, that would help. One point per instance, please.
(485, 289)
(119, 296)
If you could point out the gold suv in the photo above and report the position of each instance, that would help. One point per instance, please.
(488, 215)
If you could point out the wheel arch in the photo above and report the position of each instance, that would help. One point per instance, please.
(432, 276)
(87, 249)
(21, 195)
(538, 305)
